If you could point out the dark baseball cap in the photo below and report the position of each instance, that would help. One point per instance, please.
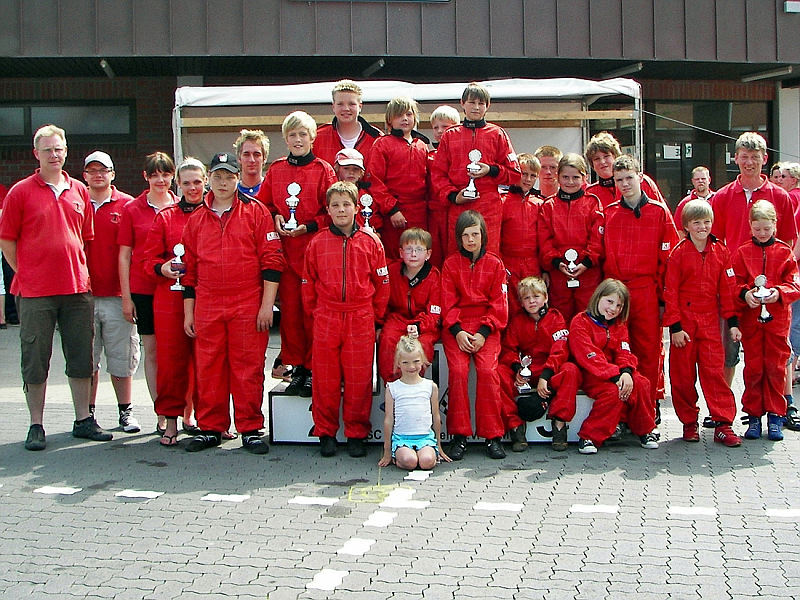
(224, 160)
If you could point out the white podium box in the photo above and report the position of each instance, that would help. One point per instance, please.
(291, 422)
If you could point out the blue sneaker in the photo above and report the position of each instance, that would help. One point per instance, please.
(774, 424)
(753, 427)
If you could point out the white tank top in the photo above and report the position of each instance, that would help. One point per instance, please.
(412, 407)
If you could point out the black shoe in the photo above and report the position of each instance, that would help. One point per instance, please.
(89, 429)
(519, 440)
(35, 439)
(298, 377)
(559, 436)
(457, 447)
(356, 447)
(305, 389)
(202, 441)
(253, 443)
(792, 418)
(327, 446)
(12, 321)
(619, 431)
(710, 423)
(494, 448)
(3, 326)
(658, 412)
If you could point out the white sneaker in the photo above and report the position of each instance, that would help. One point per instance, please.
(649, 441)
(128, 422)
(586, 447)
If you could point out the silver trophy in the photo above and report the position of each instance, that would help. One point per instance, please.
(761, 293)
(571, 256)
(178, 266)
(366, 210)
(525, 373)
(472, 168)
(292, 201)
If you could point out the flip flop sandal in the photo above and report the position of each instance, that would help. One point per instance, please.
(169, 440)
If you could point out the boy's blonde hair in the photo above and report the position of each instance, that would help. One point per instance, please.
(190, 163)
(408, 345)
(299, 120)
(48, 131)
(626, 162)
(763, 210)
(695, 210)
(476, 91)
(400, 106)
(530, 161)
(342, 187)
(532, 285)
(252, 135)
(346, 85)
(550, 151)
(570, 159)
(609, 287)
(446, 113)
(602, 142)
(751, 140)
(416, 234)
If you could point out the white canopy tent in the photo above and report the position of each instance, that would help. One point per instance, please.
(206, 120)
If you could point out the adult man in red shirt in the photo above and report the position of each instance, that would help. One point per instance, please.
(701, 190)
(112, 332)
(46, 220)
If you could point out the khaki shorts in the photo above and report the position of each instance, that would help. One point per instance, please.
(38, 317)
(116, 336)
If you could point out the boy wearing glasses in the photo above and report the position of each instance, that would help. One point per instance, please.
(414, 307)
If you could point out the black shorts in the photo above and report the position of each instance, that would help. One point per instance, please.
(144, 313)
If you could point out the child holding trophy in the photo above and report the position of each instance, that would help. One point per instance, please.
(471, 161)
(570, 232)
(345, 288)
(534, 351)
(400, 161)
(233, 265)
(294, 193)
(766, 284)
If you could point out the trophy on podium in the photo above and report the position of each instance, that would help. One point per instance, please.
(472, 168)
(178, 266)
(761, 293)
(292, 201)
(571, 256)
(525, 373)
(366, 210)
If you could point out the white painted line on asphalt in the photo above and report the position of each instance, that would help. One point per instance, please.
(699, 511)
(498, 506)
(327, 580)
(594, 508)
(789, 513)
(401, 498)
(355, 547)
(380, 518)
(418, 475)
(225, 497)
(314, 500)
(63, 491)
(138, 494)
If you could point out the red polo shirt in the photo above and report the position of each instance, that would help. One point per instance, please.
(102, 252)
(50, 233)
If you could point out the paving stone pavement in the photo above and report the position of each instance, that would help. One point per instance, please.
(685, 521)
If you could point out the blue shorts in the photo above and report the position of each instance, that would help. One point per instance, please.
(415, 442)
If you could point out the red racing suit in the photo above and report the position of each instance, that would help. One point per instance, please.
(383, 205)
(346, 289)
(766, 348)
(314, 176)
(545, 341)
(571, 221)
(603, 355)
(449, 174)
(637, 243)
(402, 167)
(474, 300)
(437, 218)
(607, 191)
(677, 217)
(519, 246)
(698, 291)
(328, 143)
(415, 301)
(176, 376)
(228, 259)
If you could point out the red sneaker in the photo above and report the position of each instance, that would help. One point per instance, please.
(725, 435)
(691, 433)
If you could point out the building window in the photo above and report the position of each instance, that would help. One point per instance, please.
(84, 122)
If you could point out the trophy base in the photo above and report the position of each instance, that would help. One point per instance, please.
(469, 195)
(765, 319)
(524, 389)
(177, 287)
(573, 283)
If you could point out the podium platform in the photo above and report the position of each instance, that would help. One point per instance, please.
(291, 422)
